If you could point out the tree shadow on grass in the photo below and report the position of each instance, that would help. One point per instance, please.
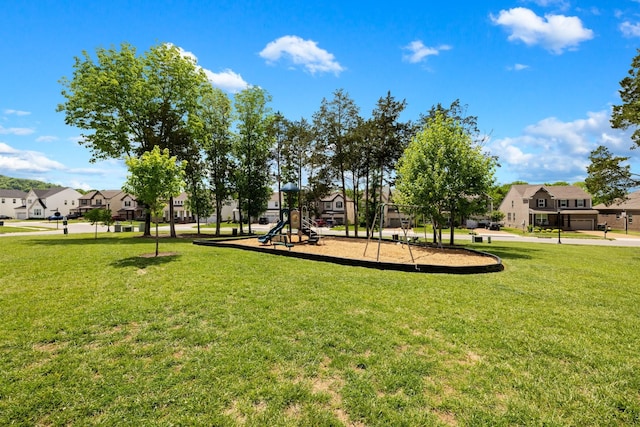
(144, 261)
(87, 241)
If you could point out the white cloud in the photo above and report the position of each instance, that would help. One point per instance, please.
(630, 30)
(13, 160)
(552, 150)
(15, 131)
(418, 51)
(227, 80)
(518, 67)
(553, 32)
(300, 52)
(46, 138)
(17, 112)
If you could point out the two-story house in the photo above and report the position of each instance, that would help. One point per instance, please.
(621, 215)
(10, 200)
(335, 210)
(122, 205)
(44, 203)
(567, 207)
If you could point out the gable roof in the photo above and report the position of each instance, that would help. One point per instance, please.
(43, 194)
(556, 191)
(632, 203)
(13, 194)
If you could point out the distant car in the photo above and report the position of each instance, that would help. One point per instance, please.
(57, 217)
(321, 222)
(74, 215)
(5, 217)
(263, 220)
(493, 226)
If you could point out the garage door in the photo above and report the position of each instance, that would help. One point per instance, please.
(582, 224)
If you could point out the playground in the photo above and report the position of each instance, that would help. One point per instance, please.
(296, 235)
(363, 250)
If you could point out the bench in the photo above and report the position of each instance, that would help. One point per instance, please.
(281, 240)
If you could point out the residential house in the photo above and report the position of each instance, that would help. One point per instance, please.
(44, 203)
(621, 215)
(180, 211)
(568, 207)
(10, 200)
(130, 210)
(101, 199)
(335, 210)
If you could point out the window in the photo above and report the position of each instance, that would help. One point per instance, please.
(3, 201)
(65, 203)
(73, 202)
(542, 203)
(327, 205)
(127, 203)
(14, 201)
(564, 203)
(276, 204)
(99, 202)
(338, 205)
(630, 218)
(580, 203)
(509, 216)
(618, 215)
(512, 203)
(37, 212)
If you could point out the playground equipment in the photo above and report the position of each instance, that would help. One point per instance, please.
(301, 223)
(405, 227)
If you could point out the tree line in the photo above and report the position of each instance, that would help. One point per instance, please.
(127, 104)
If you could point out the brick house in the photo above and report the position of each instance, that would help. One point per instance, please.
(621, 215)
(566, 206)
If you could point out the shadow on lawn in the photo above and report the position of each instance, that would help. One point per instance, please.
(143, 262)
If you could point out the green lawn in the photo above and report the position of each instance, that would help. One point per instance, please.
(92, 333)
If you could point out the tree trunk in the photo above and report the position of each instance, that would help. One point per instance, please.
(172, 223)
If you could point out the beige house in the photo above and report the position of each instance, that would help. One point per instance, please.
(568, 207)
(334, 209)
(41, 204)
(622, 215)
(10, 200)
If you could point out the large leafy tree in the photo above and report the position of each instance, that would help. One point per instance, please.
(251, 148)
(609, 177)
(442, 171)
(154, 178)
(126, 104)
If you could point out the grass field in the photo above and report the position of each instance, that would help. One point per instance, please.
(92, 333)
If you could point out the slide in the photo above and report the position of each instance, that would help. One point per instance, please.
(275, 230)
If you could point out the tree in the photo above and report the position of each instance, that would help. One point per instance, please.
(154, 179)
(218, 142)
(334, 124)
(608, 179)
(627, 114)
(99, 216)
(252, 146)
(388, 138)
(444, 171)
(127, 104)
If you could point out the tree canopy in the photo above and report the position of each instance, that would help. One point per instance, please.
(444, 171)
(154, 178)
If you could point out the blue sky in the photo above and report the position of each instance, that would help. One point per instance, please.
(540, 75)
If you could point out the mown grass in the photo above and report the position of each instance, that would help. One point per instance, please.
(92, 333)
